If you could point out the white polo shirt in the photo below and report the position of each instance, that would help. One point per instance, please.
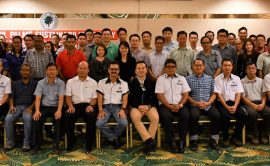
(228, 87)
(266, 83)
(254, 89)
(112, 92)
(5, 86)
(172, 87)
(81, 91)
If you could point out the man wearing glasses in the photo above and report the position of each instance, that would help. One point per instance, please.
(172, 92)
(212, 58)
(112, 101)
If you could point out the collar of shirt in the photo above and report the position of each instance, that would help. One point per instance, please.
(141, 81)
(35, 51)
(46, 81)
(182, 48)
(223, 76)
(166, 75)
(161, 53)
(137, 51)
(149, 48)
(197, 76)
(77, 78)
(227, 45)
(250, 81)
(109, 81)
(74, 53)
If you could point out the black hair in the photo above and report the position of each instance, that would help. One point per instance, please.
(181, 33)
(134, 35)
(193, 33)
(71, 37)
(207, 38)
(242, 28)
(222, 31)
(121, 29)
(167, 29)
(147, 32)
(159, 38)
(106, 29)
(170, 60)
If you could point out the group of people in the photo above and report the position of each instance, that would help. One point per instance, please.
(91, 77)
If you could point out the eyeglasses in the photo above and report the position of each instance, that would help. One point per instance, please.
(204, 43)
(114, 69)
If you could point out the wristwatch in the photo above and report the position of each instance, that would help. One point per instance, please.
(123, 108)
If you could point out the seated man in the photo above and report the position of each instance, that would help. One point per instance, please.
(81, 97)
(142, 101)
(255, 99)
(5, 90)
(201, 100)
(21, 103)
(172, 92)
(49, 101)
(112, 101)
(229, 88)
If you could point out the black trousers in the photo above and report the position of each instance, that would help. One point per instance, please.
(89, 118)
(46, 112)
(241, 119)
(253, 115)
(167, 117)
(212, 113)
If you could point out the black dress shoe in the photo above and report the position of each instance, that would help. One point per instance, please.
(70, 147)
(181, 147)
(25, 150)
(36, 150)
(193, 145)
(116, 144)
(88, 148)
(56, 150)
(173, 148)
(213, 145)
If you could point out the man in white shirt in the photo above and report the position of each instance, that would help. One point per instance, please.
(229, 88)
(112, 101)
(81, 98)
(172, 92)
(5, 91)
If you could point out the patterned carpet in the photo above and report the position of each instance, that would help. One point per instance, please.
(246, 155)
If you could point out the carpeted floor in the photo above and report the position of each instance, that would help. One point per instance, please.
(246, 155)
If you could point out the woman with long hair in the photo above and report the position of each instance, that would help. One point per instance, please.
(99, 65)
(248, 54)
(126, 62)
(48, 45)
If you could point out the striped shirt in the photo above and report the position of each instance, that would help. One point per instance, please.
(23, 94)
(38, 62)
(201, 87)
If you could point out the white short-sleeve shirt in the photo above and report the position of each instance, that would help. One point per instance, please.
(266, 83)
(228, 87)
(172, 87)
(81, 91)
(5, 86)
(112, 92)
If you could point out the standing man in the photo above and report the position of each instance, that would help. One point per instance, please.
(158, 58)
(229, 88)
(112, 49)
(210, 34)
(64, 44)
(231, 38)
(83, 45)
(122, 35)
(68, 60)
(261, 47)
(146, 40)
(255, 99)
(193, 40)
(21, 103)
(172, 92)
(81, 98)
(138, 53)
(38, 58)
(263, 62)
(212, 58)
(201, 101)
(89, 37)
(112, 101)
(182, 55)
(143, 103)
(242, 34)
(49, 101)
(226, 50)
(28, 42)
(170, 44)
